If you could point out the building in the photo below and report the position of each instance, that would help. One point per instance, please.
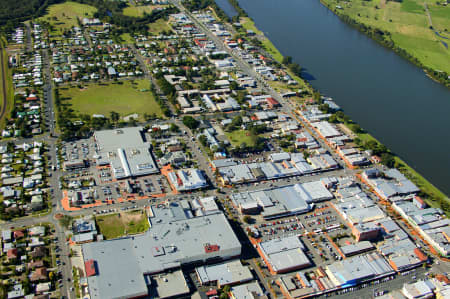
(422, 289)
(168, 285)
(246, 291)
(175, 238)
(282, 201)
(284, 254)
(228, 273)
(354, 270)
(187, 179)
(126, 151)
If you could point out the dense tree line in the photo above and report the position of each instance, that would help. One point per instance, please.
(14, 12)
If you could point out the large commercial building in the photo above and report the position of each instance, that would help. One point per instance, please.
(351, 271)
(282, 201)
(284, 254)
(228, 273)
(121, 267)
(126, 151)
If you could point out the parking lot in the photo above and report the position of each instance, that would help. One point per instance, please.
(316, 228)
(100, 180)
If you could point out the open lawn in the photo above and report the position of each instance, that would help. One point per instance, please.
(125, 98)
(64, 15)
(121, 224)
(138, 11)
(408, 24)
(9, 89)
(241, 136)
(158, 26)
(127, 38)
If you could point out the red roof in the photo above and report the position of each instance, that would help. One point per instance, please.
(422, 257)
(89, 265)
(211, 248)
(12, 253)
(211, 293)
(18, 234)
(419, 200)
(272, 101)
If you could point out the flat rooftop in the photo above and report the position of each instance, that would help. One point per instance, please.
(126, 151)
(169, 285)
(284, 253)
(174, 238)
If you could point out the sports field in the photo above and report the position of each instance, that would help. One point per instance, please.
(121, 224)
(125, 98)
(64, 15)
(408, 23)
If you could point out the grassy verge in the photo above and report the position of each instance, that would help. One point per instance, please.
(434, 195)
(118, 225)
(9, 90)
(124, 97)
(248, 24)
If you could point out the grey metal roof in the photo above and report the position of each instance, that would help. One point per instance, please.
(225, 273)
(173, 240)
(127, 152)
(284, 253)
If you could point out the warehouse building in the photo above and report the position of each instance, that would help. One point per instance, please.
(228, 273)
(284, 254)
(282, 201)
(126, 151)
(175, 238)
(351, 271)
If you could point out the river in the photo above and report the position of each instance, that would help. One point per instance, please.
(388, 96)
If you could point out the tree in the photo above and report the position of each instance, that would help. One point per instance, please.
(247, 219)
(174, 128)
(190, 122)
(202, 139)
(114, 116)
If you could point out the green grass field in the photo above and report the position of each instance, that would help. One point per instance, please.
(66, 14)
(125, 99)
(158, 26)
(127, 38)
(240, 136)
(9, 89)
(118, 225)
(138, 11)
(408, 24)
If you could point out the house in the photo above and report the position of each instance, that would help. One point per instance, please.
(38, 252)
(12, 254)
(37, 231)
(40, 274)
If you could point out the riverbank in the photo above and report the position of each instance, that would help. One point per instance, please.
(431, 193)
(406, 28)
